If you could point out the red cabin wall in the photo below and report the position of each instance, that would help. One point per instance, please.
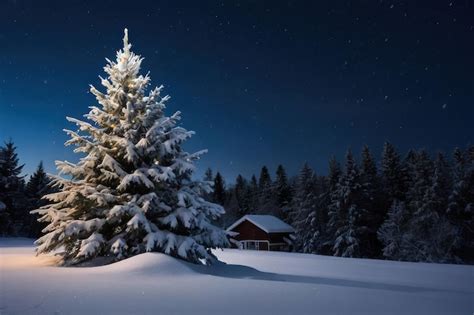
(249, 231)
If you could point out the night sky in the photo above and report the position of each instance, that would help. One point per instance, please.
(261, 82)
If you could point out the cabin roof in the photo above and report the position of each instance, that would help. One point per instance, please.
(267, 223)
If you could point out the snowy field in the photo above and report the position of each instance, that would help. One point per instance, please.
(251, 283)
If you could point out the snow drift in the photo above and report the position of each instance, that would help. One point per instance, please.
(251, 282)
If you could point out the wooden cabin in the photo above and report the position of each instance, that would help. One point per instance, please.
(261, 232)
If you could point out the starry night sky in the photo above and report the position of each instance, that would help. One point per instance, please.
(261, 82)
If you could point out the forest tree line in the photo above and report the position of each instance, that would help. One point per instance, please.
(18, 196)
(411, 208)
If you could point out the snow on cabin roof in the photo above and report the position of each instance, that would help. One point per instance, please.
(268, 223)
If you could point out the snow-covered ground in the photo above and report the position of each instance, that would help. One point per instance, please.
(251, 283)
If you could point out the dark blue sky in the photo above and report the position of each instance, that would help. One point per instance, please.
(260, 82)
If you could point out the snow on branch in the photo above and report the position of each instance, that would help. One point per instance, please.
(137, 179)
(91, 245)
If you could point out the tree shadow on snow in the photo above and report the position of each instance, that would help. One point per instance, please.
(224, 270)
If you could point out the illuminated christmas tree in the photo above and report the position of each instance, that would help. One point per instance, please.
(133, 190)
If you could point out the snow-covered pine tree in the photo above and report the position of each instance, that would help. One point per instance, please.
(13, 205)
(393, 234)
(431, 237)
(334, 174)
(371, 201)
(132, 191)
(241, 195)
(264, 181)
(317, 221)
(461, 202)
(266, 201)
(219, 194)
(333, 179)
(9, 168)
(368, 171)
(408, 169)
(421, 231)
(38, 186)
(208, 175)
(347, 214)
(38, 183)
(434, 238)
(392, 175)
(253, 194)
(282, 188)
(436, 197)
(303, 204)
(419, 168)
(420, 181)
